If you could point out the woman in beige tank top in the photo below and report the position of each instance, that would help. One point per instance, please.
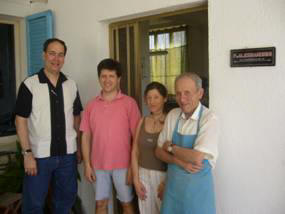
(148, 171)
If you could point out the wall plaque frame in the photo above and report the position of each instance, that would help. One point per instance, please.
(253, 57)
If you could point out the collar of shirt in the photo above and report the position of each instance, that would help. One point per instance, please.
(43, 78)
(118, 96)
(195, 115)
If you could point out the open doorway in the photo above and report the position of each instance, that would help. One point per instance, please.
(158, 48)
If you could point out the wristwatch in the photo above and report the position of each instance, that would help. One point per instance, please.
(170, 148)
(26, 152)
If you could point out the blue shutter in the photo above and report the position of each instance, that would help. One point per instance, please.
(39, 29)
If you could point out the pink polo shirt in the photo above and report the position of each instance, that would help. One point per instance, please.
(112, 124)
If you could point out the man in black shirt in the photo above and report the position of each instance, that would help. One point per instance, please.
(47, 119)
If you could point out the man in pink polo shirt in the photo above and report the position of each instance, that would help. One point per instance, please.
(108, 125)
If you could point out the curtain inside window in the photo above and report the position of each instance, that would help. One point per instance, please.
(168, 54)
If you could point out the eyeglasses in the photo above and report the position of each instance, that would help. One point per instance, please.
(54, 54)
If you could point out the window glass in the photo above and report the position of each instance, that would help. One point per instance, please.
(7, 80)
(168, 52)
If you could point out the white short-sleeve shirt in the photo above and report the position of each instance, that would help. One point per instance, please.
(208, 136)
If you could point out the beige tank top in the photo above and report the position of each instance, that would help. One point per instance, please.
(147, 143)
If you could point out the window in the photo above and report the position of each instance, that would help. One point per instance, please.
(39, 28)
(168, 55)
(7, 79)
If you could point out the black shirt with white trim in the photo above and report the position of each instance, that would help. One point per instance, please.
(50, 111)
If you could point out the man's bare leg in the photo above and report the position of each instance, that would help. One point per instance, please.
(128, 208)
(102, 207)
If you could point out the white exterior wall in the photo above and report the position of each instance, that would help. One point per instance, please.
(250, 102)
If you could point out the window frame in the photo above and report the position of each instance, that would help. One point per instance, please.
(17, 65)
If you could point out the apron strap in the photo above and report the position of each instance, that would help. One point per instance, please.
(177, 121)
(198, 125)
(200, 115)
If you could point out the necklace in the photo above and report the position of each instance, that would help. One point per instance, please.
(158, 121)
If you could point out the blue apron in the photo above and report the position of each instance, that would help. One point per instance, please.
(187, 193)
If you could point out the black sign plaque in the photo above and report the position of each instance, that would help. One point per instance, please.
(253, 57)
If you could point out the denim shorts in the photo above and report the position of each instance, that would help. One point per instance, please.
(104, 181)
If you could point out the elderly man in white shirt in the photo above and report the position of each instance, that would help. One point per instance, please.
(188, 143)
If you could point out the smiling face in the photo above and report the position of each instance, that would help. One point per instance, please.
(54, 57)
(155, 101)
(187, 95)
(109, 81)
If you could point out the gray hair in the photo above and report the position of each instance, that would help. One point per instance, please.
(192, 76)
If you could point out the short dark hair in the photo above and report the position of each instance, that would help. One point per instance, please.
(160, 88)
(110, 64)
(52, 40)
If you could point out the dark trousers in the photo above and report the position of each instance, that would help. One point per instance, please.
(59, 172)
